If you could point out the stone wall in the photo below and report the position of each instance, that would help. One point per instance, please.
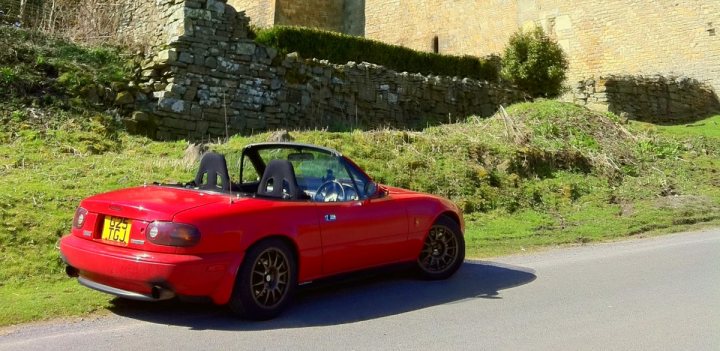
(213, 81)
(154, 23)
(601, 38)
(654, 98)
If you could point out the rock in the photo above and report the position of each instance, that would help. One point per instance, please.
(245, 48)
(149, 73)
(186, 57)
(172, 105)
(165, 57)
(141, 116)
(211, 62)
(280, 136)
(198, 14)
(216, 6)
(124, 98)
(194, 152)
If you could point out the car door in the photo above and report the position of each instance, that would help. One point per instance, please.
(359, 231)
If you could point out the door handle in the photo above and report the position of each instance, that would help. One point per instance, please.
(330, 218)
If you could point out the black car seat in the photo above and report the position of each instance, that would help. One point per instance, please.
(213, 173)
(278, 181)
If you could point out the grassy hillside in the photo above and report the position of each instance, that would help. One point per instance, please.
(545, 173)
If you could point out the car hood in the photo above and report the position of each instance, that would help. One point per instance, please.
(149, 203)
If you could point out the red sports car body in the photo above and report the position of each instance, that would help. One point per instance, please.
(305, 213)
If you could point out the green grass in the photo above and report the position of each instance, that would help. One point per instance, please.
(517, 196)
(705, 128)
(546, 174)
(38, 300)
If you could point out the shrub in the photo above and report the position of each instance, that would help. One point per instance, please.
(340, 48)
(535, 63)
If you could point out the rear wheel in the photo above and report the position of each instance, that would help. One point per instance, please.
(266, 281)
(443, 250)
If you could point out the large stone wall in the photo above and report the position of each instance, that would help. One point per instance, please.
(469, 27)
(625, 37)
(601, 38)
(213, 81)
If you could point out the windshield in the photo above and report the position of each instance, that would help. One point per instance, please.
(314, 170)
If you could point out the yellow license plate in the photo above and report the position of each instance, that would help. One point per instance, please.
(116, 229)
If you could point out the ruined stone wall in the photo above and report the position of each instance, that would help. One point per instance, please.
(153, 23)
(601, 38)
(214, 81)
(634, 37)
(652, 98)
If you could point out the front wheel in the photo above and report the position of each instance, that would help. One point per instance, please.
(443, 250)
(266, 281)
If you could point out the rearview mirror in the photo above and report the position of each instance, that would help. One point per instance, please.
(299, 157)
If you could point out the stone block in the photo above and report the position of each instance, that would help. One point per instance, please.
(124, 98)
(198, 14)
(186, 57)
(245, 48)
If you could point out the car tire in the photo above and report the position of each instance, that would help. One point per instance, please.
(266, 281)
(443, 250)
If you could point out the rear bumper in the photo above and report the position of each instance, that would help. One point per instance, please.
(157, 293)
(150, 276)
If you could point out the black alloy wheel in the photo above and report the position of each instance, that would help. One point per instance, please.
(270, 278)
(266, 281)
(443, 250)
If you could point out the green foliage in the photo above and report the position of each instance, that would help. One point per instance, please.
(35, 68)
(341, 48)
(7, 75)
(535, 63)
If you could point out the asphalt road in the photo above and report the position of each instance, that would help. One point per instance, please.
(649, 294)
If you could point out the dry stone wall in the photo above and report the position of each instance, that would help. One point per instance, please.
(214, 81)
(656, 98)
(154, 23)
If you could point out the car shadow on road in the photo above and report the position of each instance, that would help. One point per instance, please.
(349, 299)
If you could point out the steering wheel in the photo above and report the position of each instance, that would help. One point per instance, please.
(330, 191)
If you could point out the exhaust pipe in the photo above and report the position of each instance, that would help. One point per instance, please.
(159, 293)
(71, 271)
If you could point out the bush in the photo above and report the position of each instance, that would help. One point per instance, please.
(341, 48)
(535, 63)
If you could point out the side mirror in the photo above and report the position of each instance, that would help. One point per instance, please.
(372, 190)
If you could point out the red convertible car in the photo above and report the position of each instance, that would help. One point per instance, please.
(298, 213)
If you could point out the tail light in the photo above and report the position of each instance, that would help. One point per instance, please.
(80, 215)
(172, 234)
